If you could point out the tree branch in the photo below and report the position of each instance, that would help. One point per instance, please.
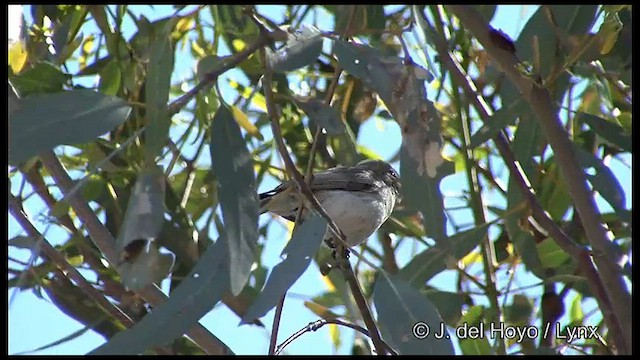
(615, 296)
(103, 239)
(314, 326)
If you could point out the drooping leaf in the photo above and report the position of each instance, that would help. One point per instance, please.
(243, 120)
(196, 295)
(232, 164)
(525, 147)
(400, 307)
(603, 181)
(303, 47)
(157, 95)
(298, 253)
(70, 117)
(144, 216)
(149, 266)
(401, 86)
(321, 114)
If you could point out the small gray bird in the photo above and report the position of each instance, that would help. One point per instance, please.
(357, 198)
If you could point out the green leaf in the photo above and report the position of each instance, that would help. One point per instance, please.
(24, 242)
(321, 114)
(609, 130)
(604, 181)
(197, 295)
(551, 255)
(519, 311)
(525, 146)
(232, 164)
(69, 117)
(157, 88)
(303, 48)
(575, 311)
(43, 77)
(297, 255)
(435, 259)
(110, 78)
(144, 216)
(400, 307)
(148, 267)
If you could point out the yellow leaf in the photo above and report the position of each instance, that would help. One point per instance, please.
(334, 332)
(238, 44)
(243, 120)
(328, 283)
(320, 310)
(184, 24)
(198, 49)
(257, 100)
(471, 258)
(17, 57)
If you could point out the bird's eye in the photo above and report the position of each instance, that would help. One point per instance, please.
(393, 173)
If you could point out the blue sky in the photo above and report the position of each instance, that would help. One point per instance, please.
(35, 322)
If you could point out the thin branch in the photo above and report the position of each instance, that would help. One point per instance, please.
(314, 326)
(614, 299)
(210, 77)
(103, 239)
(57, 259)
(276, 323)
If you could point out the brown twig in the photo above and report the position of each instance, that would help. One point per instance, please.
(213, 75)
(314, 326)
(614, 299)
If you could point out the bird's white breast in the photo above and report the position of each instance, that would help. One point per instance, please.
(357, 214)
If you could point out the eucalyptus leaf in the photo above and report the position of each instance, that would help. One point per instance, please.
(303, 48)
(297, 255)
(609, 130)
(322, 114)
(70, 117)
(144, 216)
(232, 164)
(157, 95)
(400, 307)
(197, 295)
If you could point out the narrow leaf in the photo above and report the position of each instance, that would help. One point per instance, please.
(298, 253)
(400, 308)
(157, 95)
(144, 216)
(70, 117)
(609, 130)
(232, 164)
(243, 120)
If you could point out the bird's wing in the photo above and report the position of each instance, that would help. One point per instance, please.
(342, 178)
